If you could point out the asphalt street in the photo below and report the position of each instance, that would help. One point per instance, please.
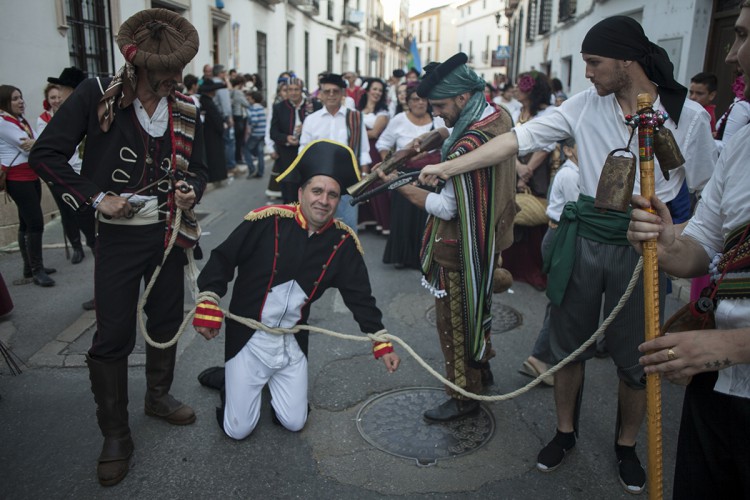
(49, 439)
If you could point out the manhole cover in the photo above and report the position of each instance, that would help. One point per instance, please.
(504, 318)
(393, 423)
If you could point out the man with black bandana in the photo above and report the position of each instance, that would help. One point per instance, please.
(621, 63)
(140, 136)
(470, 222)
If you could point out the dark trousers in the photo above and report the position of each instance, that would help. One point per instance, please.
(27, 196)
(240, 122)
(127, 256)
(713, 450)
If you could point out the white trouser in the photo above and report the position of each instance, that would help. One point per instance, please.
(246, 374)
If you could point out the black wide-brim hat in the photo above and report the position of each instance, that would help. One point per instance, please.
(70, 77)
(159, 40)
(334, 79)
(325, 157)
(210, 86)
(435, 73)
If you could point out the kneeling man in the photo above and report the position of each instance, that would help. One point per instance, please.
(286, 256)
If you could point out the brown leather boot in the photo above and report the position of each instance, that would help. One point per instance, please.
(109, 383)
(159, 375)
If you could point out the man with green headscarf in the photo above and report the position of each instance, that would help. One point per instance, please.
(471, 221)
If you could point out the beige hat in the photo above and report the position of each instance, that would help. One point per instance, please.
(158, 39)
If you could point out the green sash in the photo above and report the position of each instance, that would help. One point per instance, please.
(580, 219)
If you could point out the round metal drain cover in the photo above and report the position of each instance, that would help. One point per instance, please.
(504, 318)
(392, 422)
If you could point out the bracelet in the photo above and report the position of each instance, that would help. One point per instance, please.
(381, 348)
(98, 200)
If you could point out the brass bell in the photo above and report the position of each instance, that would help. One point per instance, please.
(616, 182)
(667, 151)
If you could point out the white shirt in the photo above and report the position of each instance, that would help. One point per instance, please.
(564, 189)
(738, 117)
(597, 123)
(513, 106)
(443, 204)
(516, 115)
(724, 207)
(400, 131)
(11, 152)
(156, 124)
(323, 125)
(371, 118)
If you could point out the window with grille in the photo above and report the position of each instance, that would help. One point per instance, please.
(530, 25)
(90, 36)
(567, 10)
(545, 16)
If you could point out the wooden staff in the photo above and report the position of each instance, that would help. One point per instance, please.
(647, 120)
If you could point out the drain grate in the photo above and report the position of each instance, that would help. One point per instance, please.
(504, 318)
(392, 422)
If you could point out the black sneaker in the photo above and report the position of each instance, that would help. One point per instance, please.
(632, 475)
(553, 454)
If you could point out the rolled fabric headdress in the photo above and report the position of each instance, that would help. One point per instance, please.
(158, 39)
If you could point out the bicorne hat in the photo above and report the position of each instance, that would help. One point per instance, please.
(325, 157)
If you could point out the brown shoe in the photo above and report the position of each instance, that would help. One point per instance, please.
(171, 410)
(159, 374)
(114, 461)
(109, 383)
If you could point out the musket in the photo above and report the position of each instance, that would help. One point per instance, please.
(431, 141)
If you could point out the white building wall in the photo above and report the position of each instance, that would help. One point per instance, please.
(679, 26)
(438, 28)
(447, 42)
(28, 59)
(476, 27)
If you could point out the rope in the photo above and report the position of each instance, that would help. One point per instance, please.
(380, 336)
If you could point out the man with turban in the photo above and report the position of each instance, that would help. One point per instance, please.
(143, 161)
(470, 222)
(284, 258)
(598, 261)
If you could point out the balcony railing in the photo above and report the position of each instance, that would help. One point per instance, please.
(311, 7)
(354, 17)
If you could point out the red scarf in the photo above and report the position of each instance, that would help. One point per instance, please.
(46, 116)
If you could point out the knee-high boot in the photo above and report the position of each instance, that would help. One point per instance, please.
(24, 253)
(159, 375)
(109, 383)
(25, 256)
(34, 250)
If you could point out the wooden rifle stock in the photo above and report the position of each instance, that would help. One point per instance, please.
(398, 159)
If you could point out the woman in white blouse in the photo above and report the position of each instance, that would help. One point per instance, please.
(524, 257)
(407, 221)
(22, 183)
(374, 107)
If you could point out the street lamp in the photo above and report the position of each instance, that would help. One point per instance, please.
(498, 17)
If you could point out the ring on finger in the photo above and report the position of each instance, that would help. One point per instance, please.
(671, 356)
